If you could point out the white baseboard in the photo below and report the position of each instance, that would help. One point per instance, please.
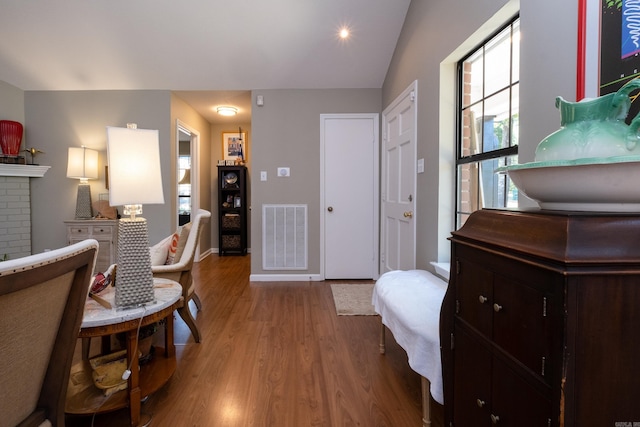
(285, 278)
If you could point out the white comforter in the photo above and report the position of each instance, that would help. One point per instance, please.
(409, 303)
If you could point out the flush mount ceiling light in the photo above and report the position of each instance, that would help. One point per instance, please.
(227, 111)
(344, 33)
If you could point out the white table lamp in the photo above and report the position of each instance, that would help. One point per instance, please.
(83, 165)
(135, 179)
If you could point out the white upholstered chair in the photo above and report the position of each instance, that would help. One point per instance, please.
(41, 307)
(179, 269)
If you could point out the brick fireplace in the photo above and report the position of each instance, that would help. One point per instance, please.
(15, 209)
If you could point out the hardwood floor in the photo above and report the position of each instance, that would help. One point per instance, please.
(276, 354)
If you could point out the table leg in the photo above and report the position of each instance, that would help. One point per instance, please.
(134, 378)
(169, 345)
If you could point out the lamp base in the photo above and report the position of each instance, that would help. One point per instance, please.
(83, 202)
(134, 279)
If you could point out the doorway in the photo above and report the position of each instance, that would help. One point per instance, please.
(187, 150)
(349, 220)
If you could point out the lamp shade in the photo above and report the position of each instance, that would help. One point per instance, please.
(134, 166)
(82, 163)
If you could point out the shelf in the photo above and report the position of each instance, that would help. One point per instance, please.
(32, 171)
(83, 398)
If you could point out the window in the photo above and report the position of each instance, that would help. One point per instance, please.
(488, 122)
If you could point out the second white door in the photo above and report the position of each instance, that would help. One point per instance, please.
(349, 153)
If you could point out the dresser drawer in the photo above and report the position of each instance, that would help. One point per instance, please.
(520, 315)
(474, 289)
(79, 231)
(104, 231)
(101, 230)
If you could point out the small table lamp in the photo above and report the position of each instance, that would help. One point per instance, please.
(83, 165)
(134, 179)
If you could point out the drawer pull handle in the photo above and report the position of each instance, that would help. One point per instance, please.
(497, 307)
(482, 299)
(480, 403)
(494, 419)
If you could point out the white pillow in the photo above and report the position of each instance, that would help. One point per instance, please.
(159, 252)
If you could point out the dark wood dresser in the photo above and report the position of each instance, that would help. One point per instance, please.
(540, 325)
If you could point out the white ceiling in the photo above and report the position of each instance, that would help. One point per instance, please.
(209, 51)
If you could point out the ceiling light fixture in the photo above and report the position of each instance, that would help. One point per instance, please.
(227, 111)
(344, 33)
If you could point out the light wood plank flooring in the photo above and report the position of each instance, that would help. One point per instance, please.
(276, 354)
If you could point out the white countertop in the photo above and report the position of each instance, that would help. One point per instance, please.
(167, 292)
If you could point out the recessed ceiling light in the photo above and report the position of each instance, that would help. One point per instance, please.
(344, 33)
(227, 111)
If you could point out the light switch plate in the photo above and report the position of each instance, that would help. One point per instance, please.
(263, 175)
(420, 165)
(284, 172)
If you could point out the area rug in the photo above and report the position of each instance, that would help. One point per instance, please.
(353, 299)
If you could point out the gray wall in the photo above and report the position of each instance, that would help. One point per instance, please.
(57, 120)
(286, 132)
(12, 104)
(437, 33)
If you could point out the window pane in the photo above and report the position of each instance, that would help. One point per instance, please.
(496, 122)
(471, 131)
(498, 62)
(473, 79)
(496, 190)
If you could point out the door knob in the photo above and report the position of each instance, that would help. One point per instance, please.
(330, 208)
(408, 214)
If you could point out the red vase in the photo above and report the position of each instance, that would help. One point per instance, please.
(10, 137)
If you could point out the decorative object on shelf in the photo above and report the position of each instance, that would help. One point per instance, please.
(33, 152)
(104, 210)
(107, 372)
(83, 165)
(135, 178)
(12, 160)
(10, 137)
(230, 180)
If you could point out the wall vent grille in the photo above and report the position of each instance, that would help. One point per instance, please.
(284, 237)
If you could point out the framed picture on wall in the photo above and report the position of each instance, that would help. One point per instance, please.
(608, 46)
(234, 146)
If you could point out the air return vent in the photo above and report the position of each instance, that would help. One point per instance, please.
(284, 237)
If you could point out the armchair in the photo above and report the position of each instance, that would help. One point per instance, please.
(180, 267)
(42, 300)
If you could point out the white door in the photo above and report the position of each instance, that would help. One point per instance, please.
(398, 230)
(349, 191)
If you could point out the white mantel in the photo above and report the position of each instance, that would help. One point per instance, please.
(33, 171)
(15, 208)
